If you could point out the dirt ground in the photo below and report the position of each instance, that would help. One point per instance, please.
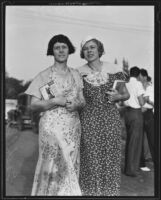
(21, 159)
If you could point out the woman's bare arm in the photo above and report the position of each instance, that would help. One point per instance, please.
(44, 105)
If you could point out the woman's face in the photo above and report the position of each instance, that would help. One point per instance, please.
(60, 52)
(90, 51)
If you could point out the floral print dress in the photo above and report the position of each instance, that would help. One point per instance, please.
(100, 147)
(57, 170)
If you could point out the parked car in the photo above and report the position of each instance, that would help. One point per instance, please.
(23, 115)
(10, 106)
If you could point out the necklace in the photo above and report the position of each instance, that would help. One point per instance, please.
(97, 77)
(60, 80)
(60, 72)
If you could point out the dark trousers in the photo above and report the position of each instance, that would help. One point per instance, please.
(148, 118)
(134, 128)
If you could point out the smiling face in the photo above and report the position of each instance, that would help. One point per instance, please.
(60, 52)
(90, 51)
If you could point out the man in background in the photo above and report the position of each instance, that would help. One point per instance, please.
(148, 116)
(134, 123)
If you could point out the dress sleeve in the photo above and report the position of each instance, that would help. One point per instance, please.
(121, 76)
(33, 88)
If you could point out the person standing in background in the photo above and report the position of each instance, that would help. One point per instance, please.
(100, 146)
(134, 123)
(148, 116)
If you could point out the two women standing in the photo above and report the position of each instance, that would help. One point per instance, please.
(61, 136)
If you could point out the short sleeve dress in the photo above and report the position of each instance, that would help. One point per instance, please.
(57, 169)
(100, 147)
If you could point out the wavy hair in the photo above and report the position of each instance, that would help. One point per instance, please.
(99, 46)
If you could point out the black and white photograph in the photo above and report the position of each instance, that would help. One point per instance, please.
(93, 132)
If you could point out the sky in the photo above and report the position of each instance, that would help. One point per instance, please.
(126, 32)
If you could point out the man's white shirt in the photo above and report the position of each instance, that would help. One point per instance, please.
(135, 89)
(149, 92)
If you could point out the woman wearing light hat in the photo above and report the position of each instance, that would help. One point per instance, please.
(100, 149)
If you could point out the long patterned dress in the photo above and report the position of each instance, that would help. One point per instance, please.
(100, 147)
(57, 170)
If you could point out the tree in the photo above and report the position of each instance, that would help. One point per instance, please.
(13, 87)
(125, 65)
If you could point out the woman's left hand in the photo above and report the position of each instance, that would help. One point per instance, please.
(113, 96)
(71, 105)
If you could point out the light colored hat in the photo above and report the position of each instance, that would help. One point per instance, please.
(88, 38)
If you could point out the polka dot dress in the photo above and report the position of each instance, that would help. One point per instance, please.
(100, 148)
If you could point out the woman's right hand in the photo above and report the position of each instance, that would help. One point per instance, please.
(113, 95)
(60, 100)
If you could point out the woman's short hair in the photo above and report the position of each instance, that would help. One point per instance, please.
(62, 39)
(134, 71)
(99, 45)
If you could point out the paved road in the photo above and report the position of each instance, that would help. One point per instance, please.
(21, 159)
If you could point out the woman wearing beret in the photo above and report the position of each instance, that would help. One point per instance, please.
(100, 147)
